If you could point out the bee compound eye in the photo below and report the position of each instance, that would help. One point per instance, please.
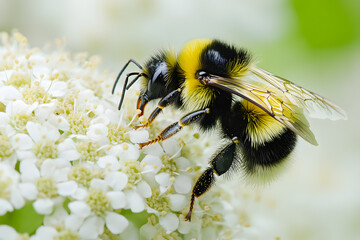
(202, 76)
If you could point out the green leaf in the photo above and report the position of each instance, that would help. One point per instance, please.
(24, 220)
(325, 23)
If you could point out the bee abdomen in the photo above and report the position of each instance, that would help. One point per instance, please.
(266, 143)
(269, 155)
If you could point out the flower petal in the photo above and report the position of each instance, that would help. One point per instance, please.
(98, 132)
(43, 205)
(58, 88)
(9, 93)
(109, 162)
(34, 130)
(144, 189)
(47, 168)
(16, 199)
(170, 222)
(59, 122)
(98, 184)
(39, 132)
(116, 180)
(163, 179)
(148, 231)
(45, 232)
(128, 152)
(79, 208)
(43, 111)
(21, 141)
(117, 199)
(7, 233)
(171, 146)
(92, 227)
(80, 193)
(67, 188)
(115, 222)
(177, 202)
(151, 163)
(29, 171)
(184, 226)
(74, 222)
(67, 150)
(28, 190)
(135, 201)
(182, 163)
(182, 184)
(5, 207)
(138, 136)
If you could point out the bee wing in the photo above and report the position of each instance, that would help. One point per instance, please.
(272, 101)
(315, 105)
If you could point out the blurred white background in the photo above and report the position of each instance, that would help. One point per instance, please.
(315, 44)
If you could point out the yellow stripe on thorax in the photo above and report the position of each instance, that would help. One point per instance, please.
(195, 95)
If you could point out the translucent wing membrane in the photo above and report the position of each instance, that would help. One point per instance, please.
(272, 101)
(315, 105)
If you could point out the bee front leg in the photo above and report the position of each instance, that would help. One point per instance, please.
(220, 164)
(165, 101)
(177, 126)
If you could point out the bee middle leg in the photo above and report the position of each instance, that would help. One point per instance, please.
(219, 165)
(172, 129)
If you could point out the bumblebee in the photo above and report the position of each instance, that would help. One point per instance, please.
(219, 86)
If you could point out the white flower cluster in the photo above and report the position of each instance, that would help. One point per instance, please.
(69, 154)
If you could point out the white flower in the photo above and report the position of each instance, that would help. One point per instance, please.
(43, 205)
(67, 150)
(55, 88)
(8, 233)
(151, 164)
(19, 106)
(177, 202)
(170, 222)
(116, 180)
(125, 152)
(92, 227)
(10, 195)
(170, 170)
(117, 199)
(73, 156)
(44, 111)
(139, 136)
(98, 133)
(44, 232)
(41, 132)
(59, 122)
(115, 222)
(8, 94)
(89, 223)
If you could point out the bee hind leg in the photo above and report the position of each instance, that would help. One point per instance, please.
(224, 161)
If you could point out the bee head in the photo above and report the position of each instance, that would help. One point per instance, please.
(153, 83)
(156, 78)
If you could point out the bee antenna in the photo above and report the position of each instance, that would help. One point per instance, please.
(126, 87)
(122, 70)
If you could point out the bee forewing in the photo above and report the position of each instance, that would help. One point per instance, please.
(313, 104)
(274, 104)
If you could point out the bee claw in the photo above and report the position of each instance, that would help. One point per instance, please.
(137, 127)
(155, 140)
(141, 126)
(188, 217)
